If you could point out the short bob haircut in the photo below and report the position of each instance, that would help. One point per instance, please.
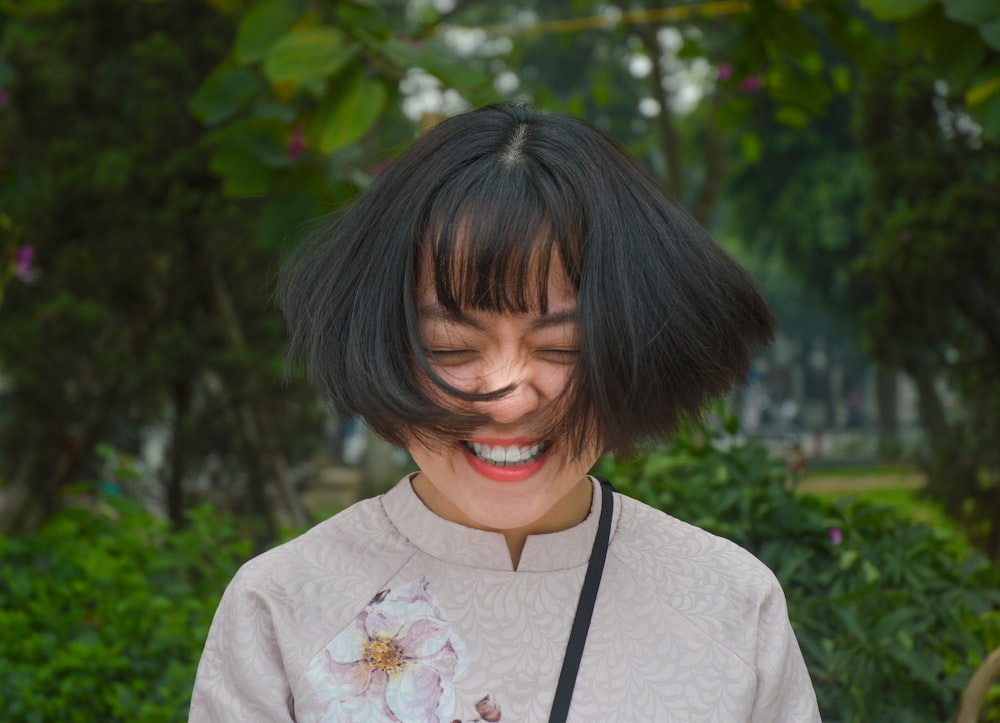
(486, 201)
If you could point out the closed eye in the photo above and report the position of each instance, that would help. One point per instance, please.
(559, 356)
(450, 356)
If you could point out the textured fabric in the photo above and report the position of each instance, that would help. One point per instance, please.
(387, 612)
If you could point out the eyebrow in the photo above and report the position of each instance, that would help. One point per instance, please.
(547, 321)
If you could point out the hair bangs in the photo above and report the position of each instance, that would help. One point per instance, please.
(491, 236)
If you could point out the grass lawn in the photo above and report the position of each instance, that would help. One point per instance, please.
(894, 486)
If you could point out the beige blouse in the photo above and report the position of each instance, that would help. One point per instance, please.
(386, 612)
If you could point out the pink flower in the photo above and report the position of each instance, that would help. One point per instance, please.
(751, 83)
(396, 661)
(297, 143)
(22, 261)
(24, 257)
(4, 97)
(836, 536)
(725, 71)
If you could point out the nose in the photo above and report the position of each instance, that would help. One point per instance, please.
(522, 399)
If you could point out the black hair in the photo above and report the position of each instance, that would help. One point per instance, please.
(488, 200)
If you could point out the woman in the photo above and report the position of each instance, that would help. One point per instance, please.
(511, 299)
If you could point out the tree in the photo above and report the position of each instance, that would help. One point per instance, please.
(156, 240)
(935, 262)
(151, 308)
(889, 222)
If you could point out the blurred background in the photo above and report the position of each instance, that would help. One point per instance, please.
(159, 159)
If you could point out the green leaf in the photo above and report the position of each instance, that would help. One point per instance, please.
(268, 107)
(789, 116)
(262, 26)
(786, 86)
(982, 92)
(6, 73)
(895, 9)
(437, 59)
(987, 114)
(223, 93)
(282, 215)
(960, 59)
(870, 571)
(991, 33)
(353, 110)
(751, 148)
(732, 113)
(971, 12)
(304, 56)
(370, 18)
(243, 174)
(842, 79)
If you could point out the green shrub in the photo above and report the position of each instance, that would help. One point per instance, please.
(892, 616)
(104, 612)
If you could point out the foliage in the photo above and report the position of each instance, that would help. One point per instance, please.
(104, 612)
(960, 39)
(300, 89)
(892, 616)
(739, 61)
(883, 208)
(933, 258)
(146, 311)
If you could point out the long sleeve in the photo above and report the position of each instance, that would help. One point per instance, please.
(241, 676)
(784, 690)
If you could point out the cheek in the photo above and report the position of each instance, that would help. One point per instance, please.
(553, 380)
(464, 380)
(467, 377)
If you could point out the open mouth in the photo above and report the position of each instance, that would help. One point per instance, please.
(513, 456)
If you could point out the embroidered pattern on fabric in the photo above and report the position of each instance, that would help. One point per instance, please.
(397, 661)
(487, 709)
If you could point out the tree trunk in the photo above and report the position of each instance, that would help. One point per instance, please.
(716, 167)
(19, 508)
(931, 409)
(256, 432)
(175, 473)
(887, 407)
(670, 138)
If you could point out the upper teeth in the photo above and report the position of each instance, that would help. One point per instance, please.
(507, 455)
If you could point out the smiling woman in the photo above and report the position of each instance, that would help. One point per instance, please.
(511, 299)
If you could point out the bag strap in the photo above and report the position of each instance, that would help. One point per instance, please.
(584, 608)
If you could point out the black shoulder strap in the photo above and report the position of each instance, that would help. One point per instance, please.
(584, 608)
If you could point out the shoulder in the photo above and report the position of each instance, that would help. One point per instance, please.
(701, 601)
(682, 560)
(339, 563)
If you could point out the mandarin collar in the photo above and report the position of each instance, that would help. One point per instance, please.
(466, 546)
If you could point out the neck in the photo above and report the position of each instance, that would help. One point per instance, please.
(570, 511)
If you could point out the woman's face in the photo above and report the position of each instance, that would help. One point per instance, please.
(506, 475)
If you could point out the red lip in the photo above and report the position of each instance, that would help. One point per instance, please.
(517, 473)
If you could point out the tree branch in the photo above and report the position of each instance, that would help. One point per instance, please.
(670, 139)
(258, 434)
(975, 692)
(715, 175)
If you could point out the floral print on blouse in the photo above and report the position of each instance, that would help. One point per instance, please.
(396, 661)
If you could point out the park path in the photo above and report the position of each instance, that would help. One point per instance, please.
(816, 481)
